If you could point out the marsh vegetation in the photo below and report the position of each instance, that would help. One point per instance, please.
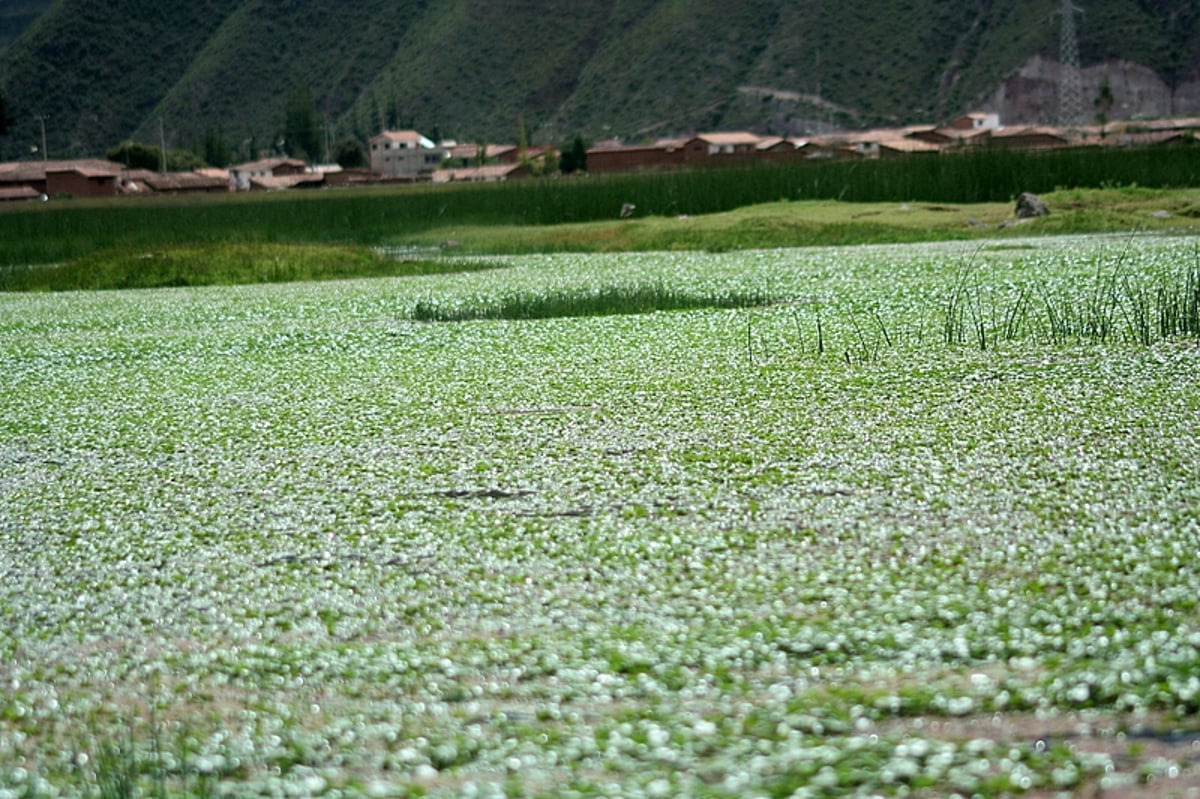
(918, 520)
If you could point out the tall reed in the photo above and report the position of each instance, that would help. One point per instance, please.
(604, 301)
(1114, 306)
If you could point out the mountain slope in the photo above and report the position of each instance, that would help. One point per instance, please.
(241, 78)
(100, 71)
(96, 70)
(16, 16)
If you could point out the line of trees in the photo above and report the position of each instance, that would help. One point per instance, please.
(136, 155)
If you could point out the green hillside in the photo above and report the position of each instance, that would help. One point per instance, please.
(100, 71)
(16, 16)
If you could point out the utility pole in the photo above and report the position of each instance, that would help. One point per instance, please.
(1070, 87)
(162, 147)
(41, 118)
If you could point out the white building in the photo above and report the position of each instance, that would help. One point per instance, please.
(404, 153)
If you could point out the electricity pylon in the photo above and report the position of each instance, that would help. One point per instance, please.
(1070, 85)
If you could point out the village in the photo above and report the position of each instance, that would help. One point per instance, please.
(406, 156)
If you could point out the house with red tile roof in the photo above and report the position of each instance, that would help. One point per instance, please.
(637, 158)
(20, 193)
(85, 177)
(487, 173)
(144, 181)
(1033, 137)
(244, 174)
(711, 149)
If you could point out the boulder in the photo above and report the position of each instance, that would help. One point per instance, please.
(1030, 205)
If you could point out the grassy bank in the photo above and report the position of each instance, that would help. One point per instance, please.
(777, 224)
(832, 223)
(62, 231)
(220, 265)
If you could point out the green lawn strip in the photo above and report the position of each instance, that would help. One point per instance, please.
(227, 264)
(828, 222)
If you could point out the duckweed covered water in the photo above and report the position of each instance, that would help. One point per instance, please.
(284, 541)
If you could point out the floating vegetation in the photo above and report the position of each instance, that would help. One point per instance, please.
(282, 540)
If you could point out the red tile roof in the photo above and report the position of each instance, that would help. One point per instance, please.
(20, 193)
(398, 135)
(19, 171)
(266, 164)
(476, 173)
(733, 137)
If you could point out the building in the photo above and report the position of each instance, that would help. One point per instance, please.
(244, 174)
(613, 158)
(705, 149)
(404, 154)
(20, 193)
(464, 154)
(981, 120)
(85, 177)
(480, 174)
(950, 137)
(901, 146)
(1030, 138)
(709, 146)
(143, 181)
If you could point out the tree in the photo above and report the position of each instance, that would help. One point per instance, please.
(4, 120)
(349, 152)
(1104, 101)
(135, 155)
(547, 164)
(183, 161)
(302, 126)
(574, 157)
(522, 137)
(216, 149)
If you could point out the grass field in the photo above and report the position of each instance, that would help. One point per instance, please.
(834, 202)
(913, 520)
(196, 242)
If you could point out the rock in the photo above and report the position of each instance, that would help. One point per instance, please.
(1030, 205)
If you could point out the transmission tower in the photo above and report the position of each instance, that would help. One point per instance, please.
(1070, 88)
